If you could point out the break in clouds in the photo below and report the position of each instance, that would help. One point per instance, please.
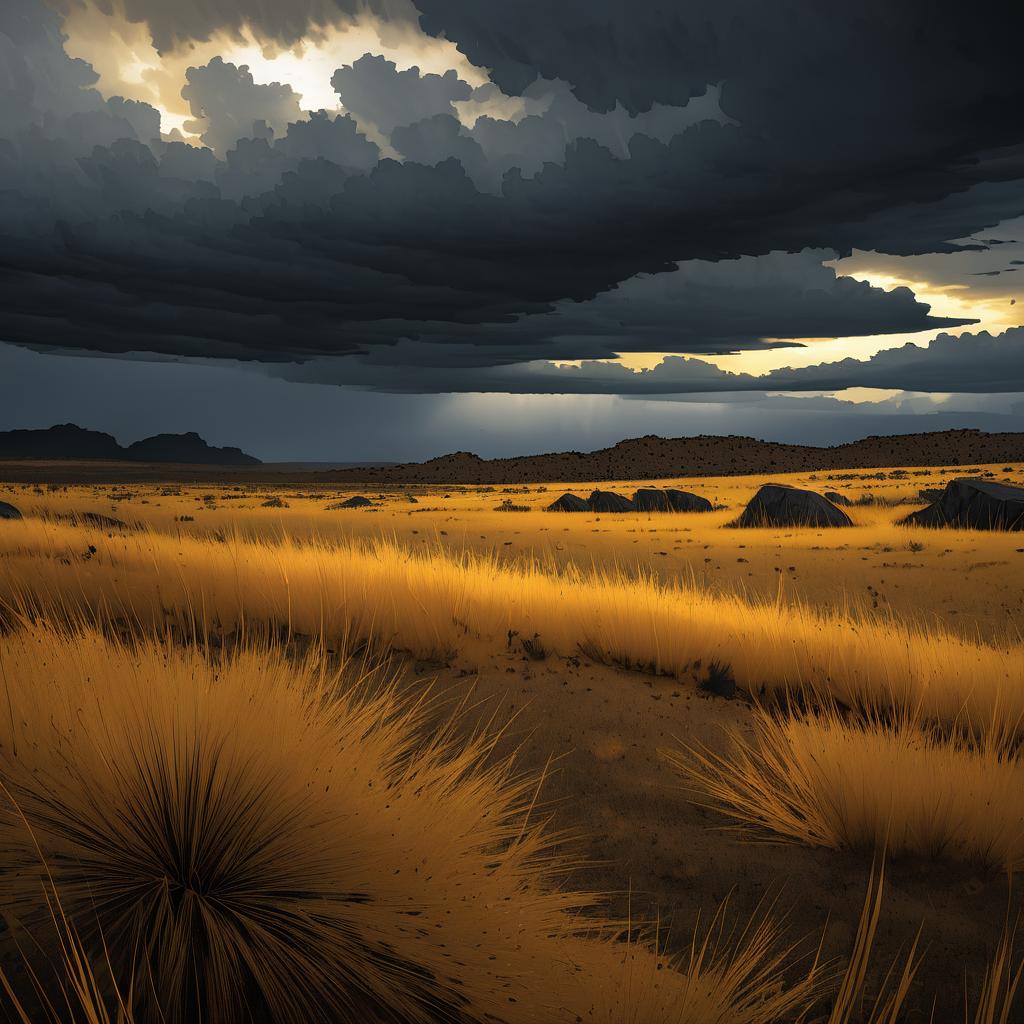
(672, 184)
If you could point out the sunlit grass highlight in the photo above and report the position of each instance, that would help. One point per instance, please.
(445, 604)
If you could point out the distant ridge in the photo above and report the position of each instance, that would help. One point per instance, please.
(68, 441)
(642, 458)
(652, 457)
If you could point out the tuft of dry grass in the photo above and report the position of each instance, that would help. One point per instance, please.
(844, 782)
(242, 833)
(436, 604)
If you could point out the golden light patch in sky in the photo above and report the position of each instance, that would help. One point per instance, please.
(124, 57)
(994, 312)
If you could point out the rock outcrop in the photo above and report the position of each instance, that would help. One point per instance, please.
(609, 501)
(650, 499)
(569, 503)
(975, 505)
(780, 505)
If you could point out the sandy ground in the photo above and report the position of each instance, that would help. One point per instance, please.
(597, 734)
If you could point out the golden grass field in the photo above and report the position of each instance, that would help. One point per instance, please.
(433, 760)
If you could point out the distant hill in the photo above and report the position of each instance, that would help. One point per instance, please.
(186, 448)
(68, 441)
(84, 456)
(652, 457)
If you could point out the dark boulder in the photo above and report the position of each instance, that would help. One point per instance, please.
(609, 501)
(975, 505)
(569, 503)
(356, 501)
(275, 502)
(8, 511)
(649, 499)
(781, 505)
(686, 501)
(837, 499)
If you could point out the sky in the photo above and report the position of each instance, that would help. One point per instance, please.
(337, 230)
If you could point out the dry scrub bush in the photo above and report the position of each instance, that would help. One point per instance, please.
(843, 782)
(436, 604)
(243, 837)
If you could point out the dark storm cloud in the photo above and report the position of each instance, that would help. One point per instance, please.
(420, 115)
(696, 308)
(227, 105)
(982, 363)
(723, 306)
(373, 90)
(888, 127)
(845, 112)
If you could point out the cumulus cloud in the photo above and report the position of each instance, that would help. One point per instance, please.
(431, 118)
(378, 94)
(227, 105)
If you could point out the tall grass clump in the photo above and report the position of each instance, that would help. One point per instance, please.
(847, 782)
(244, 840)
(440, 603)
